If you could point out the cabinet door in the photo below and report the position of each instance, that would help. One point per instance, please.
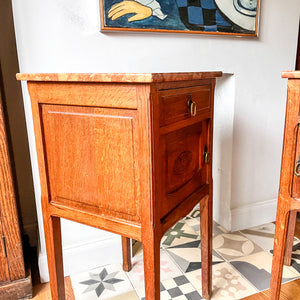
(92, 160)
(183, 163)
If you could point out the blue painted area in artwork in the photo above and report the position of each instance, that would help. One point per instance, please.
(181, 15)
(212, 28)
(195, 15)
(220, 20)
(182, 3)
(169, 7)
(208, 4)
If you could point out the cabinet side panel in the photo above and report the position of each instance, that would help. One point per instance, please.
(91, 159)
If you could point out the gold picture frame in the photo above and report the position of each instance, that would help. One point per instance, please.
(219, 17)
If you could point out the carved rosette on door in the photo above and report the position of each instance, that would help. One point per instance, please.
(183, 163)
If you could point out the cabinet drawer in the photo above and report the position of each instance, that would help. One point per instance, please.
(175, 104)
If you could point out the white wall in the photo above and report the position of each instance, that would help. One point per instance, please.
(63, 36)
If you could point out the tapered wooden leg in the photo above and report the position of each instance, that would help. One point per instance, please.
(126, 249)
(54, 257)
(279, 248)
(290, 238)
(206, 246)
(151, 248)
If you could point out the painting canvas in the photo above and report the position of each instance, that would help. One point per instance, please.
(235, 17)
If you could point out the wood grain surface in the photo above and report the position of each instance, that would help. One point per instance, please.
(4, 271)
(117, 77)
(291, 74)
(99, 144)
(112, 155)
(87, 94)
(11, 267)
(298, 51)
(289, 185)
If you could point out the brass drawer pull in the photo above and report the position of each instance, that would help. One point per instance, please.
(192, 106)
(296, 168)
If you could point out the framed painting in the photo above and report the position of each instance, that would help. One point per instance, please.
(231, 17)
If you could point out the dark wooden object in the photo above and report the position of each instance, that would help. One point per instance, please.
(290, 238)
(298, 51)
(289, 191)
(14, 283)
(293, 214)
(127, 153)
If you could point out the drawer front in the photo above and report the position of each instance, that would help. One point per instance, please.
(184, 103)
(183, 164)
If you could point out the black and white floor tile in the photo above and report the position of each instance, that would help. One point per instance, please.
(234, 245)
(295, 261)
(188, 256)
(228, 284)
(256, 269)
(180, 233)
(241, 266)
(101, 283)
(178, 288)
(193, 221)
(262, 235)
(296, 256)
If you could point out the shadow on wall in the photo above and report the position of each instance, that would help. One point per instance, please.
(222, 148)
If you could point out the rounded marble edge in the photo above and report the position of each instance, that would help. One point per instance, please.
(290, 74)
(117, 77)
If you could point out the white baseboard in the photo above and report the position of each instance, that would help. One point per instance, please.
(31, 230)
(84, 257)
(253, 215)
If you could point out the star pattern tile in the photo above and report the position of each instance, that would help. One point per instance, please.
(100, 282)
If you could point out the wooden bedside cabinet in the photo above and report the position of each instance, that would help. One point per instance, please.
(289, 189)
(127, 153)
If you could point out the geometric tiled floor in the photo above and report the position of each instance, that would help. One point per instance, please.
(241, 266)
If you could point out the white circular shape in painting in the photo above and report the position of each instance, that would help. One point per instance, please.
(240, 12)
